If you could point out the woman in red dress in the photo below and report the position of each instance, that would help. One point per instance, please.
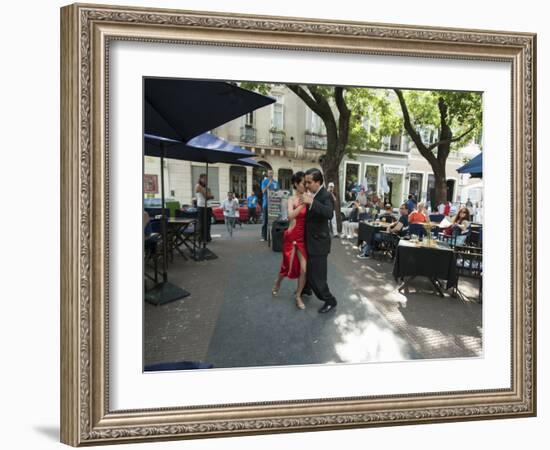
(294, 261)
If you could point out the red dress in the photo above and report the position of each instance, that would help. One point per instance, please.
(294, 240)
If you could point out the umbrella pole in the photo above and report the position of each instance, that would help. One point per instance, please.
(205, 230)
(163, 222)
(164, 292)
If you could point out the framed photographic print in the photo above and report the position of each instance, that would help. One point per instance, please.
(279, 224)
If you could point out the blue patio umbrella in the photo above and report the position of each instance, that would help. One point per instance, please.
(179, 110)
(205, 148)
(474, 167)
(249, 162)
(182, 109)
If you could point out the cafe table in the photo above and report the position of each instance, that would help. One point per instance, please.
(435, 262)
(367, 230)
(177, 235)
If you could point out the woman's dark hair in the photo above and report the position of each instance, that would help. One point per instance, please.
(458, 218)
(296, 178)
(316, 175)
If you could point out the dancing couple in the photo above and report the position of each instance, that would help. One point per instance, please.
(306, 242)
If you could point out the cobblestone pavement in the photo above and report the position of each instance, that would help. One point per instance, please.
(232, 320)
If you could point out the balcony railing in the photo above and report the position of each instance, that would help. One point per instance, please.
(248, 134)
(277, 138)
(314, 140)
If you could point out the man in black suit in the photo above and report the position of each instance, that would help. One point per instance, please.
(319, 213)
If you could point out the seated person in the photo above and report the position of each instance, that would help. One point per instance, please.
(387, 215)
(396, 228)
(419, 214)
(402, 223)
(352, 223)
(461, 223)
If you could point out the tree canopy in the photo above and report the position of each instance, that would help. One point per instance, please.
(375, 112)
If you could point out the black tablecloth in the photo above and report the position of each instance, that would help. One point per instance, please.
(431, 262)
(366, 233)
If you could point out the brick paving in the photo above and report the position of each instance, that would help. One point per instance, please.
(231, 319)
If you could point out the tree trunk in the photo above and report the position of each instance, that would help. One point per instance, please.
(440, 188)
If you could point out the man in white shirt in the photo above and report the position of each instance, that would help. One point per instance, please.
(333, 224)
(230, 207)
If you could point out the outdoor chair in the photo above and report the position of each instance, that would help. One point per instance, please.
(436, 217)
(475, 236)
(387, 245)
(152, 247)
(469, 263)
(417, 229)
(456, 238)
(156, 227)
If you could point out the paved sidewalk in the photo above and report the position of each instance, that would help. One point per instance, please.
(232, 320)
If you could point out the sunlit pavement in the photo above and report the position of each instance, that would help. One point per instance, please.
(231, 318)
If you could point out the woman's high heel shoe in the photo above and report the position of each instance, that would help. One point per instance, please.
(299, 303)
(275, 291)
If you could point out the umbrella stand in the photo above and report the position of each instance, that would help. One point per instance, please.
(164, 292)
(205, 253)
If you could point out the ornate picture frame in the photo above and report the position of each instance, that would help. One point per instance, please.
(86, 34)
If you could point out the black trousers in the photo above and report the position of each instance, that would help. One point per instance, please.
(207, 224)
(252, 215)
(317, 278)
(264, 224)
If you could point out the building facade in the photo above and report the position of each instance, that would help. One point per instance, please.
(287, 137)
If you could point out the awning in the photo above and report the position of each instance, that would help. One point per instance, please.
(474, 167)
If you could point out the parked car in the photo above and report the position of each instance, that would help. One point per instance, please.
(345, 209)
(218, 217)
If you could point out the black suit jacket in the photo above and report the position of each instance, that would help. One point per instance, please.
(317, 228)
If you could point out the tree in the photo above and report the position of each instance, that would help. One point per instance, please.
(456, 115)
(342, 111)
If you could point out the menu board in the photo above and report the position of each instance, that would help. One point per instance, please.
(277, 205)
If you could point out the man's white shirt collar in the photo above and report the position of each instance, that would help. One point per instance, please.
(320, 187)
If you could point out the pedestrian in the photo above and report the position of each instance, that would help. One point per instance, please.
(268, 184)
(252, 202)
(230, 207)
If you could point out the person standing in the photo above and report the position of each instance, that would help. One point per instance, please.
(268, 184)
(318, 238)
(362, 197)
(205, 213)
(411, 204)
(333, 224)
(447, 209)
(230, 207)
(252, 202)
(470, 207)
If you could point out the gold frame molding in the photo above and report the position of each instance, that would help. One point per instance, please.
(86, 31)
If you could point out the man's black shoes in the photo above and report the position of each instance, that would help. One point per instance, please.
(327, 307)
